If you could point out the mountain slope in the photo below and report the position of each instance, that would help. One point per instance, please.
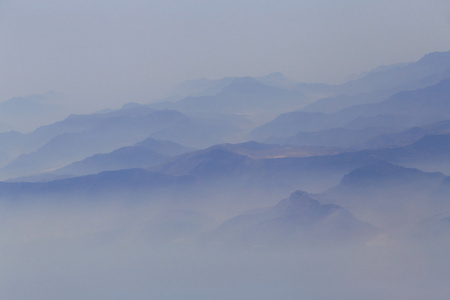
(380, 84)
(386, 195)
(27, 113)
(126, 185)
(428, 153)
(83, 136)
(298, 220)
(244, 96)
(416, 107)
(142, 155)
(223, 167)
(426, 105)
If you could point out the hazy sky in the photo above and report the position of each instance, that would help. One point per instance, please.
(107, 52)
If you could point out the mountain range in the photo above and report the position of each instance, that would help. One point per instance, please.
(370, 157)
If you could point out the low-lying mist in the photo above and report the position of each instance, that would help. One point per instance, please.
(115, 250)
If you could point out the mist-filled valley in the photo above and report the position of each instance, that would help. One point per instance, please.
(234, 188)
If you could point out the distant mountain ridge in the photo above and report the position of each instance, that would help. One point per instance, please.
(378, 85)
(53, 146)
(210, 87)
(142, 155)
(389, 196)
(27, 113)
(246, 96)
(416, 108)
(299, 220)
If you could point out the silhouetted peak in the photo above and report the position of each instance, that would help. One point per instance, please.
(297, 201)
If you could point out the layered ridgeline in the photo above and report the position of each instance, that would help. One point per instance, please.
(356, 127)
(143, 154)
(393, 199)
(26, 113)
(377, 158)
(405, 109)
(221, 169)
(80, 136)
(241, 96)
(385, 81)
